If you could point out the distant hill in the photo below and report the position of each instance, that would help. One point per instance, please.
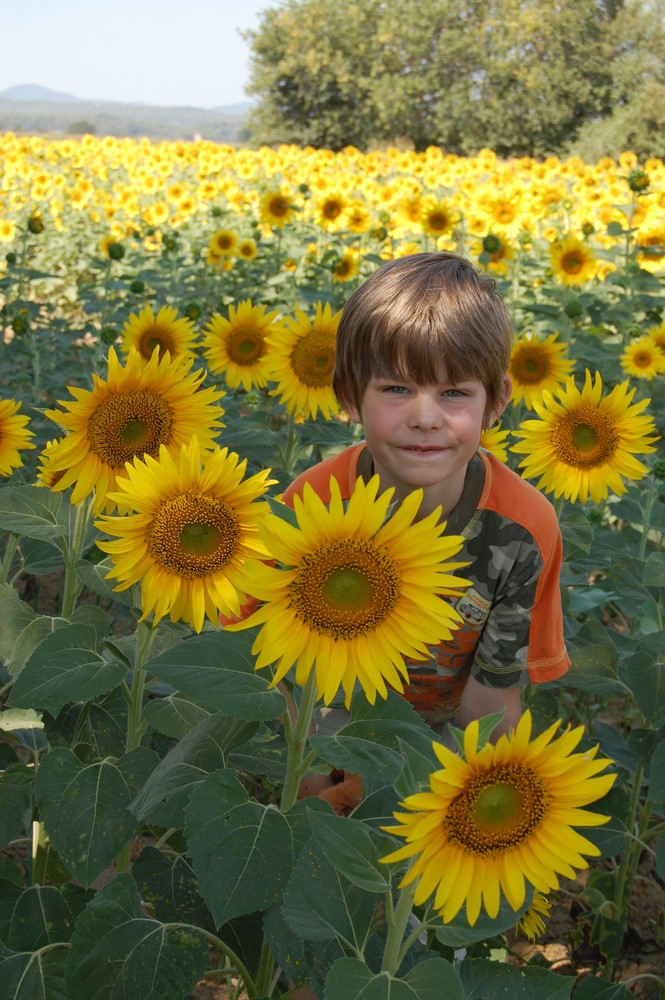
(33, 92)
(29, 108)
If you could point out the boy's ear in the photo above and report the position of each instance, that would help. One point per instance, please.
(507, 393)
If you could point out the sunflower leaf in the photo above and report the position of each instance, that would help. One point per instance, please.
(217, 671)
(85, 808)
(15, 802)
(118, 951)
(354, 849)
(457, 933)
(242, 851)
(486, 980)
(38, 975)
(65, 667)
(350, 979)
(31, 511)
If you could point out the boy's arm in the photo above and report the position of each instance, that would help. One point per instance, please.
(479, 699)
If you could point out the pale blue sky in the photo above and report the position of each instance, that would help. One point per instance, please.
(171, 52)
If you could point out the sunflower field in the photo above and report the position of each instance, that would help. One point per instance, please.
(169, 313)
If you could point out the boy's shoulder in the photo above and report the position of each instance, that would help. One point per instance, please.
(343, 467)
(507, 493)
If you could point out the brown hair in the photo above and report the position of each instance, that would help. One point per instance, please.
(416, 312)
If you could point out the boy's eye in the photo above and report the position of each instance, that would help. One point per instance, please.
(394, 389)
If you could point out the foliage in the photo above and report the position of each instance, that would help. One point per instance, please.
(522, 78)
(148, 819)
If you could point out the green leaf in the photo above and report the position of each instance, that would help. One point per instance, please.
(15, 615)
(31, 511)
(15, 802)
(591, 988)
(354, 848)
(457, 933)
(41, 916)
(93, 575)
(594, 668)
(654, 570)
(350, 979)
(117, 951)
(486, 980)
(38, 975)
(40, 557)
(217, 671)
(169, 887)
(65, 667)
(321, 904)
(241, 850)
(657, 774)
(660, 858)
(644, 673)
(205, 749)
(174, 716)
(85, 808)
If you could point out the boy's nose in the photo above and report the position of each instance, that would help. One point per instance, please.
(425, 411)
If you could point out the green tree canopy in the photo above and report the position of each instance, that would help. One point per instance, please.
(523, 77)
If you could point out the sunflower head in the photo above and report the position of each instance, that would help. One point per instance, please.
(165, 332)
(536, 365)
(643, 358)
(276, 207)
(584, 443)
(237, 345)
(500, 817)
(302, 358)
(573, 262)
(190, 524)
(14, 436)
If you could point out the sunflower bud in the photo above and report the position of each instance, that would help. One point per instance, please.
(35, 224)
(137, 286)
(116, 251)
(491, 243)
(638, 181)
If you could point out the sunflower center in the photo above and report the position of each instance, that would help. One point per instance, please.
(497, 809)
(279, 206)
(245, 346)
(154, 337)
(530, 366)
(586, 437)
(346, 588)
(642, 359)
(313, 358)
(572, 262)
(193, 534)
(125, 424)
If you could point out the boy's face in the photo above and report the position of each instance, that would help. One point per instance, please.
(423, 435)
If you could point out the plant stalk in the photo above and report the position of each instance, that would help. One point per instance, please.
(297, 739)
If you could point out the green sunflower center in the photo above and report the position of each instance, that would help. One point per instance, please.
(313, 359)
(530, 365)
(497, 810)
(585, 437)
(193, 534)
(245, 346)
(153, 337)
(125, 424)
(346, 588)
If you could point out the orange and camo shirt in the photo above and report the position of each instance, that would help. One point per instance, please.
(512, 623)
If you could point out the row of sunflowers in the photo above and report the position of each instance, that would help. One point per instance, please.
(186, 297)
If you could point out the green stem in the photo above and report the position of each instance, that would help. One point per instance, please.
(72, 586)
(288, 454)
(397, 920)
(646, 517)
(6, 565)
(630, 857)
(39, 852)
(297, 739)
(228, 953)
(264, 972)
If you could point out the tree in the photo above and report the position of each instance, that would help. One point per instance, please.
(523, 77)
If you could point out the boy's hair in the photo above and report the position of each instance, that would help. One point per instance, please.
(415, 313)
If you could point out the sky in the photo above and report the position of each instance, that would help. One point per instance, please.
(166, 52)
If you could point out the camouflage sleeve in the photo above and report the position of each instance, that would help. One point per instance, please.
(513, 571)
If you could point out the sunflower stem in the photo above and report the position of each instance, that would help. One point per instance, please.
(297, 739)
(72, 585)
(630, 857)
(397, 919)
(289, 453)
(652, 493)
(7, 559)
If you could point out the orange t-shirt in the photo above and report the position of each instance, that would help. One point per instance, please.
(512, 630)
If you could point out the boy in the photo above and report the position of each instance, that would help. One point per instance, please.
(423, 348)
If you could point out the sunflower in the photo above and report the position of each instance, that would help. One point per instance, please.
(354, 594)
(276, 208)
(346, 267)
(14, 436)
(247, 249)
(237, 347)
(495, 253)
(572, 261)
(222, 244)
(163, 332)
(302, 358)
(643, 358)
(584, 443)
(536, 365)
(532, 924)
(192, 527)
(494, 439)
(138, 408)
(438, 216)
(330, 210)
(499, 817)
